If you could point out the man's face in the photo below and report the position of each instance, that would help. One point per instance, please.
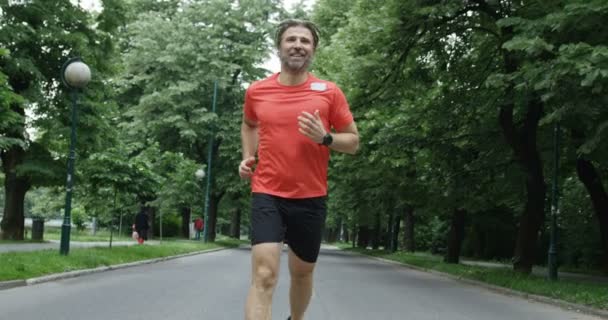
(296, 49)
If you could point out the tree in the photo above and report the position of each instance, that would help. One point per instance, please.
(565, 66)
(39, 37)
(170, 67)
(426, 79)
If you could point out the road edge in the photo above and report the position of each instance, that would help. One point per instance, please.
(4, 285)
(506, 291)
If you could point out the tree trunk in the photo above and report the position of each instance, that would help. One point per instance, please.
(185, 213)
(235, 224)
(408, 230)
(345, 233)
(396, 228)
(377, 232)
(523, 144)
(363, 237)
(478, 242)
(455, 237)
(338, 230)
(15, 188)
(388, 240)
(212, 223)
(150, 211)
(588, 175)
(525, 150)
(331, 235)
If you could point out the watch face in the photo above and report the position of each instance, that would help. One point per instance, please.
(327, 139)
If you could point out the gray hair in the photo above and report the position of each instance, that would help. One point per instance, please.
(286, 24)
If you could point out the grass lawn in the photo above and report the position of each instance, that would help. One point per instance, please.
(590, 294)
(85, 235)
(24, 265)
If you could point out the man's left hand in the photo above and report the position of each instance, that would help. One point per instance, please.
(312, 126)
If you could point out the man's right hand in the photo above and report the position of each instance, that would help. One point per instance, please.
(246, 168)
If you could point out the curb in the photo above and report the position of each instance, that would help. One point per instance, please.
(11, 284)
(506, 291)
(77, 273)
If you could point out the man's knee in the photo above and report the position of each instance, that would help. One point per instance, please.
(299, 269)
(265, 277)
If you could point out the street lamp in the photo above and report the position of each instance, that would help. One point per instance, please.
(209, 158)
(75, 75)
(200, 175)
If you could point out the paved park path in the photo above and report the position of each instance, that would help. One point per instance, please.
(213, 286)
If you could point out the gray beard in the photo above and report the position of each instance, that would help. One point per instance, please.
(295, 67)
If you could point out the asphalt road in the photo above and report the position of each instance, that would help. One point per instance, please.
(213, 286)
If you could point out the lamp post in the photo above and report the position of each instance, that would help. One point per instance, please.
(200, 175)
(209, 157)
(75, 75)
(552, 259)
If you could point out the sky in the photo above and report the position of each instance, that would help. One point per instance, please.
(271, 64)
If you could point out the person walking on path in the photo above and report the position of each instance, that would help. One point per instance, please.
(288, 120)
(198, 228)
(142, 226)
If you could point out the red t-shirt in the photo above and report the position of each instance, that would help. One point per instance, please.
(291, 165)
(198, 224)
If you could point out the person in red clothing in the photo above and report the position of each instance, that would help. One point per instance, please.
(288, 121)
(198, 228)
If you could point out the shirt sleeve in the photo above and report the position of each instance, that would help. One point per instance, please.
(340, 112)
(248, 109)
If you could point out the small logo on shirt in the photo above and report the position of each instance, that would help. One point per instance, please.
(318, 86)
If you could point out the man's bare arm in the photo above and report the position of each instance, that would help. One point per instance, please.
(249, 144)
(346, 140)
(249, 138)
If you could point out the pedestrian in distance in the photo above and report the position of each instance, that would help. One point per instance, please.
(142, 226)
(198, 228)
(134, 233)
(291, 121)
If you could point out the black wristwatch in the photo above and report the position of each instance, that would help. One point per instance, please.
(327, 139)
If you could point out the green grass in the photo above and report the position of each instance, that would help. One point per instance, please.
(594, 295)
(85, 235)
(24, 265)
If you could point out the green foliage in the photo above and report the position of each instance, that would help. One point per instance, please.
(171, 225)
(40, 37)
(577, 218)
(331, 15)
(79, 218)
(180, 187)
(298, 10)
(166, 89)
(426, 80)
(7, 114)
(47, 203)
(171, 66)
(567, 65)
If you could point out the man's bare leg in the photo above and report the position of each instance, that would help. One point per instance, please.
(300, 290)
(265, 259)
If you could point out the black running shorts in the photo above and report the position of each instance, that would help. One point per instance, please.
(299, 222)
